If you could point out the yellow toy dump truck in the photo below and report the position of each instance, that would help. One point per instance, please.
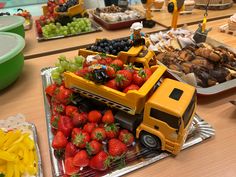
(139, 56)
(160, 112)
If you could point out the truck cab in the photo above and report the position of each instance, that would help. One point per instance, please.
(167, 116)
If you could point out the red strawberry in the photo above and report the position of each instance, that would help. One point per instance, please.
(129, 67)
(117, 64)
(100, 161)
(70, 109)
(108, 60)
(78, 119)
(84, 72)
(65, 125)
(80, 137)
(54, 121)
(141, 76)
(102, 61)
(123, 78)
(108, 117)
(81, 159)
(111, 130)
(69, 167)
(110, 72)
(98, 134)
(64, 95)
(126, 137)
(50, 90)
(111, 84)
(148, 73)
(116, 147)
(94, 116)
(131, 87)
(70, 150)
(59, 141)
(88, 127)
(93, 147)
(59, 108)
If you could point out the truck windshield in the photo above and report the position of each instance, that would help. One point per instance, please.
(189, 111)
(171, 120)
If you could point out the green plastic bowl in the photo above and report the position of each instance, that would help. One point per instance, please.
(11, 58)
(12, 24)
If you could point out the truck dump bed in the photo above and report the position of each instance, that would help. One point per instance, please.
(131, 102)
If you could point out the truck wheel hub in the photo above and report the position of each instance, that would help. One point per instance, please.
(150, 141)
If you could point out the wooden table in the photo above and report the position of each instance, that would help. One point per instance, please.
(164, 18)
(228, 39)
(36, 49)
(214, 158)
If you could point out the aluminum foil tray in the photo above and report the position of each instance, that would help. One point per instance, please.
(137, 156)
(94, 28)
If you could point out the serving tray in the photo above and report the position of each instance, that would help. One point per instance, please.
(18, 122)
(137, 156)
(94, 28)
(218, 88)
(118, 24)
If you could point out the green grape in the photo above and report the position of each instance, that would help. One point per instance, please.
(60, 69)
(63, 64)
(87, 29)
(73, 67)
(57, 64)
(65, 33)
(55, 74)
(79, 60)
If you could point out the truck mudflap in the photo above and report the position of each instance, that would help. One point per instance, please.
(131, 102)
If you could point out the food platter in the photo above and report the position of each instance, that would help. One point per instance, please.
(117, 24)
(137, 156)
(17, 122)
(190, 78)
(94, 28)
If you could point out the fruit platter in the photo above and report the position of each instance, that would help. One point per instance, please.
(113, 17)
(19, 151)
(89, 138)
(209, 66)
(28, 18)
(57, 22)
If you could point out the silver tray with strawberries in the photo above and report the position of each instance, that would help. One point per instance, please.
(137, 156)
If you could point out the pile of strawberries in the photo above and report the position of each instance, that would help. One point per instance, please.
(87, 138)
(114, 74)
(47, 18)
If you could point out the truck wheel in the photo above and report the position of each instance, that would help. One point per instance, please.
(150, 141)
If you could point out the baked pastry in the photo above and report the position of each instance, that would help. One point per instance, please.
(158, 4)
(189, 5)
(232, 22)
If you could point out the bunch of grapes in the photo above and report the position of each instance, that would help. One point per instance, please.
(64, 64)
(78, 25)
(111, 46)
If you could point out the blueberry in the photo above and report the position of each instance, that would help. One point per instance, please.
(114, 52)
(99, 49)
(126, 48)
